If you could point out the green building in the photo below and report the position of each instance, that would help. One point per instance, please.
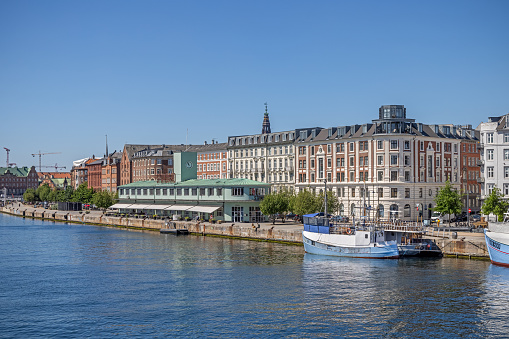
(229, 200)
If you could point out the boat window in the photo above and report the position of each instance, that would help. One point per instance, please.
(365, 236)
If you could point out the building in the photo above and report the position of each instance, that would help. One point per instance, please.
(494, 162)
(55, 180)
(110, 176)
(212, 160)
(14, 181)
(79, 172)
(390, 168)
(94, 174)
(230, 200)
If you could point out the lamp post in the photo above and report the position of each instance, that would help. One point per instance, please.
(465, 182)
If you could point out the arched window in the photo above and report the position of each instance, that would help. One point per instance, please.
(352, 209)
(394, 211)
(406, 211)
(381, 211)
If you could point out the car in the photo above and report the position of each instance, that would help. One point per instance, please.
(475, 217)
(290, 215)
(459, 218)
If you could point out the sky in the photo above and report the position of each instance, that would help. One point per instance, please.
(175, 72)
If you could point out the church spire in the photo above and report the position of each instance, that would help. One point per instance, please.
(266, 122)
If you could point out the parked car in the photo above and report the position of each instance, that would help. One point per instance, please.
(460, 218)
(475, 217)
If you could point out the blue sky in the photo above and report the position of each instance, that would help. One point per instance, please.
(147, 72)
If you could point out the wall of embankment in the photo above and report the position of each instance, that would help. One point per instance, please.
(461, 247)
(229, 230)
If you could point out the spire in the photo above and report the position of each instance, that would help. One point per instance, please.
(107, 154)
(266, 122)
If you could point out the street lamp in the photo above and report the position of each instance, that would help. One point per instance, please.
(465, 179)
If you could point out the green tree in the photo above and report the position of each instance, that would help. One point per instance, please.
(104, 199)
(66, 194)
(42, 192)
(52, 196)
(332, 202)
(305, 202)
(83, 194)
(495, 204)
(29, 195)
(275, 203)
(448, 201)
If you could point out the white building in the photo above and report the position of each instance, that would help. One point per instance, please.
(494, 138)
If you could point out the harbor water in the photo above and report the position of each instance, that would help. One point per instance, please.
(62, 280)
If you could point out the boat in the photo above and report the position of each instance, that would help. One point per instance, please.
(410, 240)
(322, 237)
(497, 242)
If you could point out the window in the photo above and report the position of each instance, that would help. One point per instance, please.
(380, 160)
(407, 160)
(394, 192)
(329, 163)
(506, 189)
(380, 192)
(380, 175)
(365, 161)
(361, 176)
(394, 175)
(394, 144)
(352, 176)
(407, 193)
(407, 145)
(489, 138)
(179, 191)
(506, 171)
(489, 154)
(237, 191)
(352, 161)
(186, 191)
(219, 191)
(490, 172)
(351, 146)
(506, 154)
(422, 145)
(340, 147)
(420, 192)
(406, 210)
(380, 144)
(394, 159)
(506, 137)
(353, 192)
(407, 175)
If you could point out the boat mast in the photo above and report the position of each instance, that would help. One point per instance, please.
(325, 201)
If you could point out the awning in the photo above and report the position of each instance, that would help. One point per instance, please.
(139, 207)
(179, 207)
(204, 209)
(120, 206)
(157, 207)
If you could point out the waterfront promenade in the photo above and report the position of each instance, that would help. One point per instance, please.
(465, 244)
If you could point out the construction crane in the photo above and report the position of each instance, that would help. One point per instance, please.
(40, 156)
(56, 167)
(8, 164)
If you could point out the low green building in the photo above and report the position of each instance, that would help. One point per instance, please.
(228, 200)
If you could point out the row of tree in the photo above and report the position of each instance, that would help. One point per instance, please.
(448, 201)
(83, 194)
(305, 202)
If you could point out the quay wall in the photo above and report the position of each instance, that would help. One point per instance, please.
(461, 247)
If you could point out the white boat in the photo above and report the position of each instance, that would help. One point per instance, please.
(357, 242)
(497, 241)
(410, 240)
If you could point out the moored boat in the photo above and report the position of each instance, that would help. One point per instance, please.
(410, 240)
(320, 237)
(497, 242)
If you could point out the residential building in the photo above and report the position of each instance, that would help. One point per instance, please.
(110, 176)
(390, 168)
(94, 173)
(79, 172)
(14, 181)
(57, 180)
(494, 144)
(212, 160)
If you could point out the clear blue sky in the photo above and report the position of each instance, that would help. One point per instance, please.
(147, 71)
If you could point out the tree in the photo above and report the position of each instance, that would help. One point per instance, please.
(83, 194)
(275, 203)
(29, 195)
(305, 202)
(65, 195)
(42, 192)
(448, 201)
(495, 204)
(332, 203)
(104, 199)
(52, 196)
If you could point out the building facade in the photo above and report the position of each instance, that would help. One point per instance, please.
(14, 181)
(212, 160)
(94, 173)
(494, 137)
(110, 176)
(390, 168)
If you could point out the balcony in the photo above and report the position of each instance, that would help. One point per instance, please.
(480, 162)
(480, 180)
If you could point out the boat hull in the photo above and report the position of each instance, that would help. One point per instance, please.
(498, 247)
(381, 250)
(418, 250)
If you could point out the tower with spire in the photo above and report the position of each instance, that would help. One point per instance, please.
(266, 122)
